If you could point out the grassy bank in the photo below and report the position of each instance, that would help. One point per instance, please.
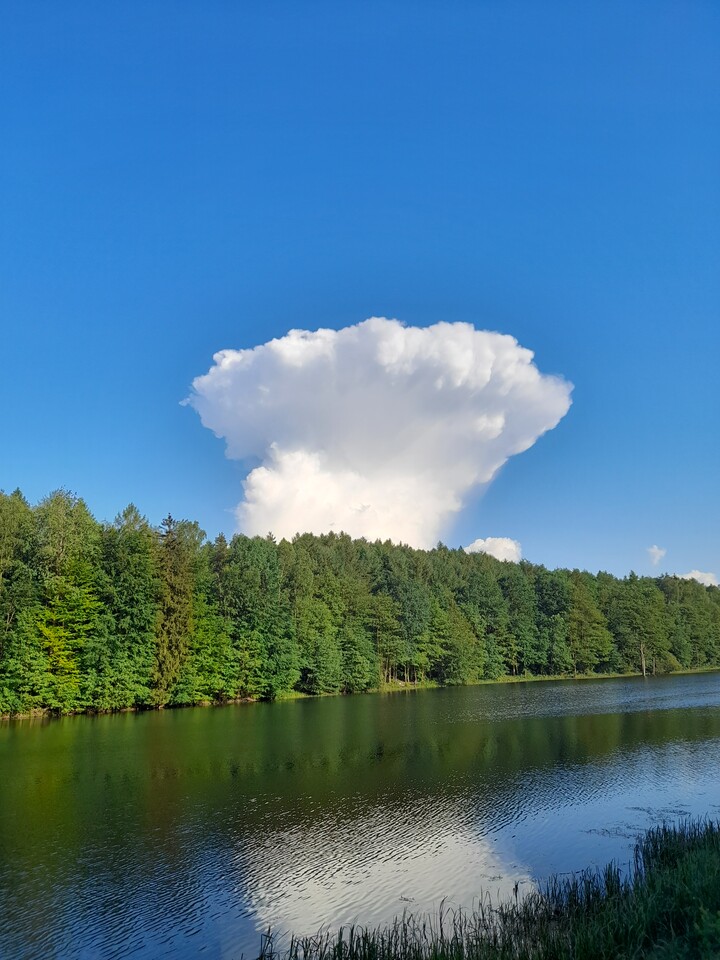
(540, 678)
(666, 907)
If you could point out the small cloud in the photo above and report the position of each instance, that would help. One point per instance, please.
(707, 579)
(656, 554)
(502, 548)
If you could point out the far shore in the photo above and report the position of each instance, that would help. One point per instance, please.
(384, 688)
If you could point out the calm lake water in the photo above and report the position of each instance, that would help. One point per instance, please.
(185, 833)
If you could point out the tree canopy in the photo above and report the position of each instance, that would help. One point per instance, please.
(111, 616)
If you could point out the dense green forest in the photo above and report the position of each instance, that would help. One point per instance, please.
(106, 616)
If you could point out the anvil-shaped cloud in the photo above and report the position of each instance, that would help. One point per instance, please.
(377, 429)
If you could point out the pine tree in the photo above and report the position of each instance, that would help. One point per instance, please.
(589, 640)
(130, 590)
(175, 622)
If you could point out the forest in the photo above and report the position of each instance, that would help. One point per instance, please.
(102, 617)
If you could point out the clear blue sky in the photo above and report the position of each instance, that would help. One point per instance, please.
(177, 178)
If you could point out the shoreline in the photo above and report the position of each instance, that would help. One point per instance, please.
(398, 687)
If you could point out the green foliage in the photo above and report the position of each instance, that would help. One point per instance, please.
(589, 640)
(65, 533)
(459, 660)
(638, 618)
(526, 652)
(359, 668)
(130, 588)
(19, 592)
(554, 596)
(483, 595)
(178, 547)
(208, 673)
(387, 630)
(104, 617)
(320, 655)
(260, 617)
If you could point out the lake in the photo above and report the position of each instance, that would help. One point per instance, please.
(184, 833)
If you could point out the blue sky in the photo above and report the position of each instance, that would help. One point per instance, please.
(179, 178)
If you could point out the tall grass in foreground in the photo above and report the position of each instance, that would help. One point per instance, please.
(666, 907)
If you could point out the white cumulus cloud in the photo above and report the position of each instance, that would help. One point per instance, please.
(378, 429)
(502, 548)
(707, 579)
(656, 554)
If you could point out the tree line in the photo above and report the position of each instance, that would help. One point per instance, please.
(109, 616)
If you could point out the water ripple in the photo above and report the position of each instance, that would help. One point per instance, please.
(168, 835)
